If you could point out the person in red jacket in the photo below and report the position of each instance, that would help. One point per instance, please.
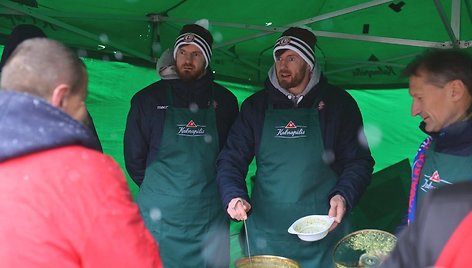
(62, 203)
(441, 236)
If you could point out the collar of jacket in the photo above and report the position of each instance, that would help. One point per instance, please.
(29, 124)
(280, 100)
(454, 139)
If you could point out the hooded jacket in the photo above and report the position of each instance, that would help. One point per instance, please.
(63, 203)
(341, 127)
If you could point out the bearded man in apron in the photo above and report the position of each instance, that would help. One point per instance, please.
(311, 155)
(174, 131)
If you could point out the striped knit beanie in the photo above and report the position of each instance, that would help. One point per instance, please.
(300, 40)
(196, 35)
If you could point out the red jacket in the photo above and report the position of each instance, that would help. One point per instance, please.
(456, 253)
(70, 207)
(441, 235)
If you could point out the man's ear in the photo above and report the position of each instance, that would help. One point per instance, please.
(457, 89)
(59, 95)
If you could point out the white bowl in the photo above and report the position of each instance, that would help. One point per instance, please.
(312, 227)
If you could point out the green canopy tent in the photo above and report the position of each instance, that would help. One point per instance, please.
(361, 45)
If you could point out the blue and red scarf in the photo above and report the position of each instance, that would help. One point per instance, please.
(415, 177)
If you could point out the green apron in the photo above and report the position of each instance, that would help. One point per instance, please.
(292, 181)
(178, 199)
(442, 169)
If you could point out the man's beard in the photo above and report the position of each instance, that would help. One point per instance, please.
(294, 82)
(194, 74)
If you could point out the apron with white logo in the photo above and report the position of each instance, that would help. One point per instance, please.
(178, 199)
(443, 169)
(292, 181)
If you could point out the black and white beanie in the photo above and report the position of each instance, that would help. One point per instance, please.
(197, 35)
(300, 40)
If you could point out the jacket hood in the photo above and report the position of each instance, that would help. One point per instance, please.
(29, 124)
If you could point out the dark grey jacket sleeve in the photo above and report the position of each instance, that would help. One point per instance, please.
(136, 142)
(237, 154)
(344, 136)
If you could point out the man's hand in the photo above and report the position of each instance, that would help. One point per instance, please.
(238, 208)
(337, 210)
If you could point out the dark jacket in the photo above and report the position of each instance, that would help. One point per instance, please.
(144, 127)
(455, 139)
(341, 125)
(440, 213)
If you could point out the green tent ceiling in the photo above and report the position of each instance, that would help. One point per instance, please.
(361, 44)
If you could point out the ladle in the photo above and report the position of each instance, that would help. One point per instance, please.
(245, 231)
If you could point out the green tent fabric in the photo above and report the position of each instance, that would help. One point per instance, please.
(361, 43)
(384, 204)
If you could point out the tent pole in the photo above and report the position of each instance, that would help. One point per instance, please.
(449, 30)
(380, 39)
(270, 30)
(155, 36)
(456, 18)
